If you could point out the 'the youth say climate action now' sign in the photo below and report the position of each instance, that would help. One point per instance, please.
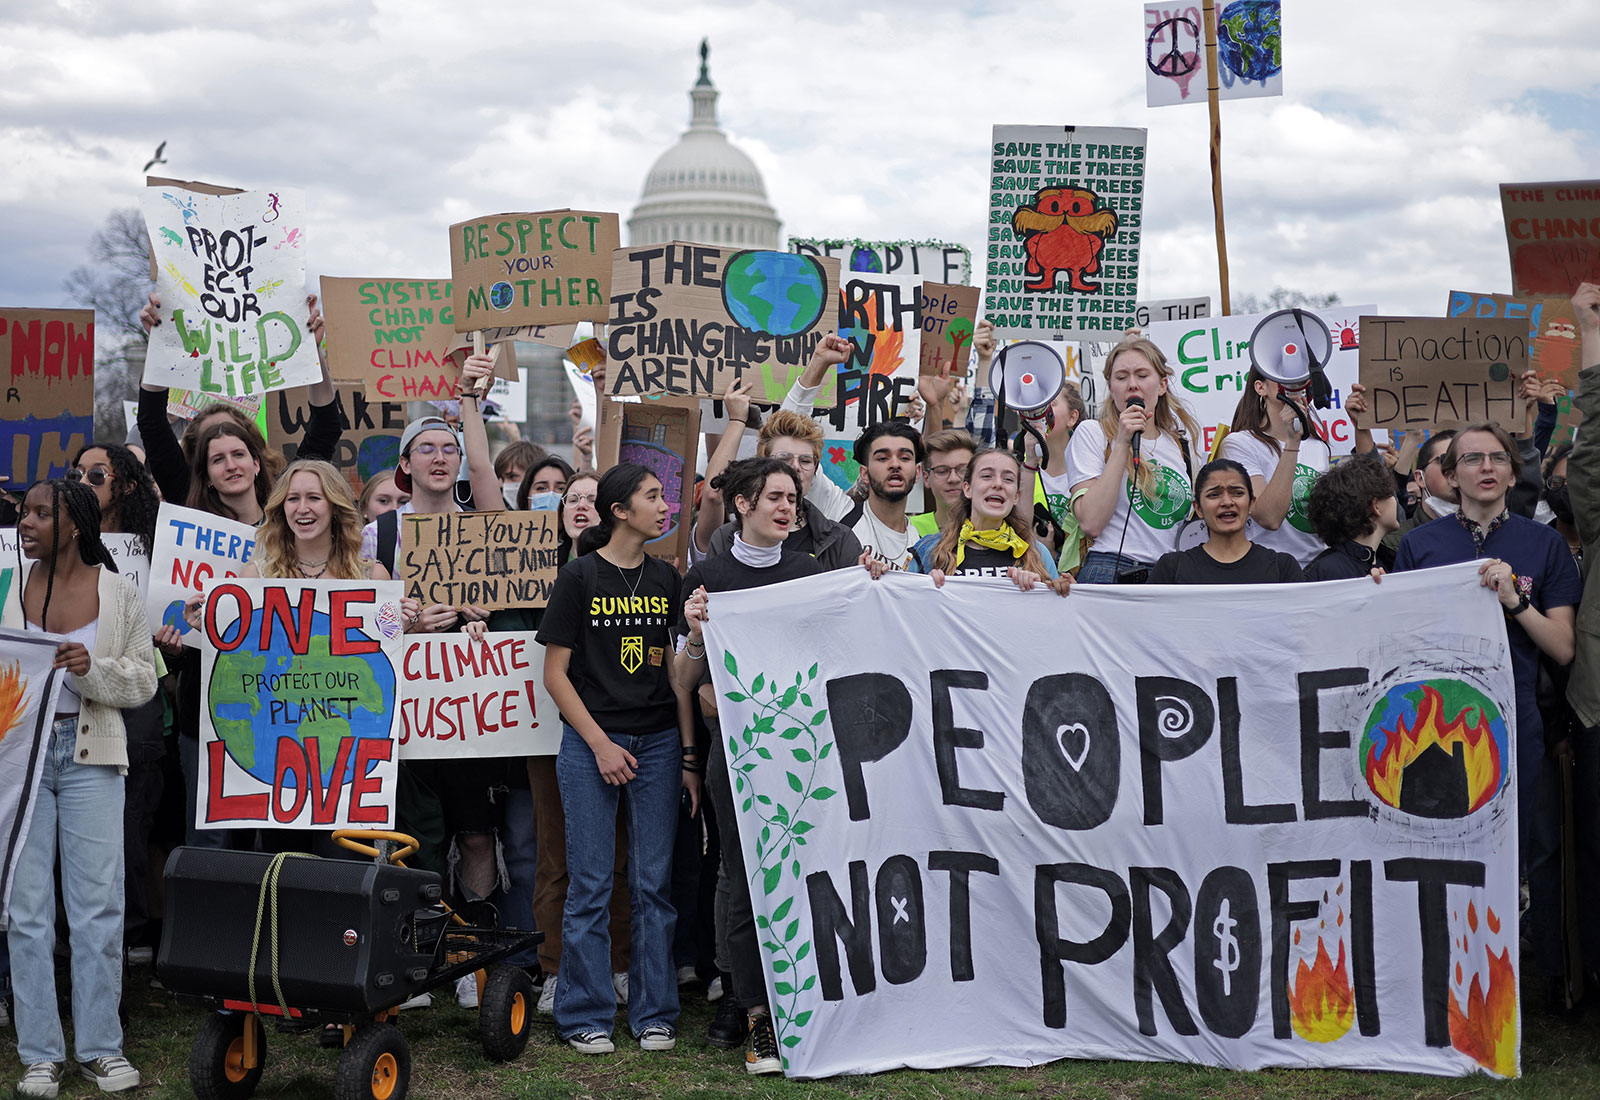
(1294, 847)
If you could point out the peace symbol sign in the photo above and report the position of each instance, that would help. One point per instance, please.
(1174, 62)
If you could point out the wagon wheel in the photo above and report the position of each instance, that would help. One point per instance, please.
(217, 1069)
(505, 1013)
(375, 1065)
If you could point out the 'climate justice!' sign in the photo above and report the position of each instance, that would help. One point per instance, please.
(1292, 847)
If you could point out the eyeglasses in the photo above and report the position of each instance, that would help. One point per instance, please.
(799, 462)
(449, 450)
(97, 476)
(1474, 459)
(581, 498)
(942, 472)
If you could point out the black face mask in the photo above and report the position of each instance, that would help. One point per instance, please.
(1560, 503)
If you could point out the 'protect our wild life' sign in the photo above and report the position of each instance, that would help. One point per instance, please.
(231, 275)
(298, 714)
(1289, 847)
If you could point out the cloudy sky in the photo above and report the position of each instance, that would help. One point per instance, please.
(1374, 176)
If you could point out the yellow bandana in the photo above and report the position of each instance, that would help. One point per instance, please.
(1003, 537)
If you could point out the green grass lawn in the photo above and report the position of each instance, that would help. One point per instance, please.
(1559, 1059)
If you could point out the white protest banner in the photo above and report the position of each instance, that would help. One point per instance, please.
(1294, 846)
(299, 705)
(28, 690)
(582, 385)
(1249, 47)
(1211, 356)
(192, 549)
(931, 261)
(463, 698)
(1146, 314)
(231, 274)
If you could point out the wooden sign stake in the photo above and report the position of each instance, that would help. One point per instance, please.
(1216, 152)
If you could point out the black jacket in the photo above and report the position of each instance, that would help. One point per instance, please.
(835, 544)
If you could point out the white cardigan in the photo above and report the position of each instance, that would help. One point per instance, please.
(122, 671)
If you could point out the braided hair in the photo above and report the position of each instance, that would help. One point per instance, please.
(135, 502)
(83, 509)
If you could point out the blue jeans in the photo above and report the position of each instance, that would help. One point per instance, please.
(521, 855)
(1102, 567)
(79, 806)
(585, 999)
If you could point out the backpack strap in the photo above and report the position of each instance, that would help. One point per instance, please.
(389, 539)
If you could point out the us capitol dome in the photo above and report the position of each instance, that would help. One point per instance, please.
(704, 189)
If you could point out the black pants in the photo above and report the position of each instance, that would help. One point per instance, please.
(744, 947)
(145, 782)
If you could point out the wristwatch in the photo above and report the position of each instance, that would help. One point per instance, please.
(1523, 603)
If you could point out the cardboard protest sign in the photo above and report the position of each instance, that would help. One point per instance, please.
(1249, 49)
(1210, 358)
(665, 440)
(933, 261)
(1099, 848)
(1553, 232)
(231, 279)
(372, 429)
(687, 319)
(189, 404)
(949, 314)
(193, 549)
(390, 335)
(29, 687)
(479, 559)
(881, 316)
(48, 411)
(1146, 314)
(548, 268)
(1065, 221)
(1436, 372)
(1554, 349)
(463, 698)
(299, 705)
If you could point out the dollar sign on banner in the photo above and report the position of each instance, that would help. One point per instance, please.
(1227, 959)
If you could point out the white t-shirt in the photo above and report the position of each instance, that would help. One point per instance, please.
(878, 538)
(1153, 524)
(1057, 495)
(1294, 534)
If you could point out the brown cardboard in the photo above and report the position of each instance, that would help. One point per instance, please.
(1553, 233)
(47, 399)
(552, 268)
(494, 560)
(372, 429)
(949, 312)
(390, 335)
(665, 438)
(1443, 372)
(678, 327)
(1556, 351)
(187, 185)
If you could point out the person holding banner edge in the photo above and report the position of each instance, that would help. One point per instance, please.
(985, 532)
(78, 812)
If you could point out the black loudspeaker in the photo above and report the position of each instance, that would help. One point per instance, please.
(350, 937)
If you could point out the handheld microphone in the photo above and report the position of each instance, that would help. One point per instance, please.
(1136, 402)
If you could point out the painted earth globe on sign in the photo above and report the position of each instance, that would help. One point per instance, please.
(864, 259)
(500, 295)
(1435, 748)
(1249, 39)
(781, 293)
(353, 697)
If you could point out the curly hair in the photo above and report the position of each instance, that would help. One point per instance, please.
(202, 495)
(1020, 519)
(83, 509)
(1340, 504)
(747, 478)
(276, 552)
(135, 500)
(1170, 414)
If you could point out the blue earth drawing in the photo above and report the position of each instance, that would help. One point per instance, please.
(500, 295)
(355, 696)
(865, 259)
(1249, 38)
(781, 293)
(377, 452)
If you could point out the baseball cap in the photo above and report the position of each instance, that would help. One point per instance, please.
(402, 480)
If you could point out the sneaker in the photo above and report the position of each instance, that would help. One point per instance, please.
(687, 975)
(421, 1000)
(141, 956)
(619, 982)
(591, 1042)
(729, 1027)
(658, 1037)
(547, 997)
(714, 989)
(42, 1079)
(113, 1073)
(761, 1054)
(467, 991)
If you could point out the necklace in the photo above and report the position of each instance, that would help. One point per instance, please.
(633, 589)
(321, 567)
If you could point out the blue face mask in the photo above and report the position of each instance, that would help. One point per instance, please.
(544, 502)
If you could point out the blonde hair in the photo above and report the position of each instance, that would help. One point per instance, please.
(944, 551)
(790, 424)
(1170, 414)
(276, 555)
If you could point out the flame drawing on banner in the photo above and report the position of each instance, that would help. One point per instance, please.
(13, 698)
(1483, 996)
(887, 345)
(1322, 1004)
(1458, 758)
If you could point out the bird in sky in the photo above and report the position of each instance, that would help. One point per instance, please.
(158, 158)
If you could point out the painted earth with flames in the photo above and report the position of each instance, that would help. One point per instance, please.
(1435, 748)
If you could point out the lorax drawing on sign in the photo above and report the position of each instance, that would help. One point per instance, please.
(1064, 230)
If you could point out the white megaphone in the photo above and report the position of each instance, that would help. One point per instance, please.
(1026, 377)
(1291, 347)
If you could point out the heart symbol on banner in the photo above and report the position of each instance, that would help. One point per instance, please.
(1083, 753)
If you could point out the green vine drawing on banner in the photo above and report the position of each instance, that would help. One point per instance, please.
(784, 826)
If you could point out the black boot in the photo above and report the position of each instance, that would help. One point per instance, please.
(727, 1029)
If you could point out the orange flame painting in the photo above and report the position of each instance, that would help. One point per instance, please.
(1486, 1028)
(1467, 738)
(1321, 1003)
(13, 697)
(888, 346)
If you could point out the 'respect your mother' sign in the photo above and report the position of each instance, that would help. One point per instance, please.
(1294, 848)
(299, 720)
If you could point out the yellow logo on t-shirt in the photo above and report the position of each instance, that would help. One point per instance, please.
(633, 653)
